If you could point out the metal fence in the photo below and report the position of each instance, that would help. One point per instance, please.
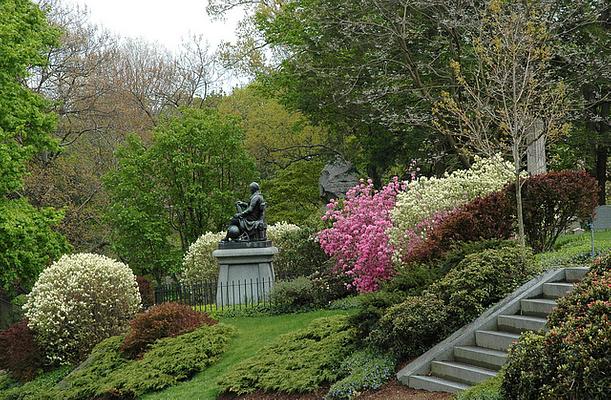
(214, 295)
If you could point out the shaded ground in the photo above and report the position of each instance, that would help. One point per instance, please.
(393, 390)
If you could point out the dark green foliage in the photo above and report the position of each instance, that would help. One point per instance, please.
(293, 194)
(482, 279)
(365, 370)
(292, 295)
(19, 352)
(573, 359)
(458, 252)
(490, 389)
(412, 279)
(329, 285)
(373, 305)
(411, 327)
(298, 362)
(160, 321)
(301, 255)
(167, 362)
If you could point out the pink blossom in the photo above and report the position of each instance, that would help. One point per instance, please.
(358, 238)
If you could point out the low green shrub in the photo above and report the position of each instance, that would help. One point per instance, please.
(297, 362)
(365, 370)
(346, 303)
(163, 320)
(20, 354)
(462, 249)
(412, 279)
(573, 359)
(481, 279)
(300, 254)
(106, 373)
(411, 327)
(292, 295)
(372, 308)
(490, 389)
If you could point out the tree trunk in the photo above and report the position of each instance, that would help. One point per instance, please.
(601, 173)
(518, 185)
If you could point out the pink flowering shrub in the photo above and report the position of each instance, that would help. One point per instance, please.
(358, 239)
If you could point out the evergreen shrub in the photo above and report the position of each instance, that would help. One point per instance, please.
(79, 301)
(481, 279)
(411, 327)
(163, 320)
(297, 362)
(573, 359)
(19, 352)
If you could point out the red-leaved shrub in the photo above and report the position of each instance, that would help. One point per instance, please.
(550, 201)
(19, 352)
(163, 320)
(147, 293)
(489, 217)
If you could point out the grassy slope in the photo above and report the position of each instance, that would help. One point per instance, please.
(572, 245)
(253, 333)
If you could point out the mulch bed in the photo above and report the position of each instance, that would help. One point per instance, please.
(392, 390)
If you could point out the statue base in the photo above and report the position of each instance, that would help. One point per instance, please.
(246, 274)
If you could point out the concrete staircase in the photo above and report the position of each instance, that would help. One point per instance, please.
(477, 351)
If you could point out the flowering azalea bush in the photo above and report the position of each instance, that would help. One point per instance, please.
(427, 201)
(77, 302)
(199, 264)
(358, 238)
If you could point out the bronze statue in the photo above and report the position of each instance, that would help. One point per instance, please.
(248, 224)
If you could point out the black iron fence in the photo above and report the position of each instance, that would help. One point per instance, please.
(215, 295)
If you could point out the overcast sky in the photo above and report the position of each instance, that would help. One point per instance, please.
(162, 21)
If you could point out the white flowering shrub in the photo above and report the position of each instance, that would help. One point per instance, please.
(199, 265)
(278, 231)
(425, 197)
(77, 302)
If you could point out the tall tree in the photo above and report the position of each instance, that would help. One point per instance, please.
(27, 239)
(509, 91)
(165, 195)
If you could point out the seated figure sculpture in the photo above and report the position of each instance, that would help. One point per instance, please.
(248, 224)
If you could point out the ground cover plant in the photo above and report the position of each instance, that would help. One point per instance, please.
(253, 334)
(364, 370)
(298, 362)
(168, 361)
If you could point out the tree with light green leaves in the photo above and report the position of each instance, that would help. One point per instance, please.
(28, 242)
(163, 196)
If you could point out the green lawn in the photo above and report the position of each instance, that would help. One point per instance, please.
(253, 334)
(570, 245)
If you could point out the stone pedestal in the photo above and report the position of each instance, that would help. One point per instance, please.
(246, 274)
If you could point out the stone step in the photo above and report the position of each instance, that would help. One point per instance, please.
(480, 356)
(495, 340)
(537, 307)
(553, 290)
(520, 323)
(461, 372)
(575, 274)
(435, 384)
